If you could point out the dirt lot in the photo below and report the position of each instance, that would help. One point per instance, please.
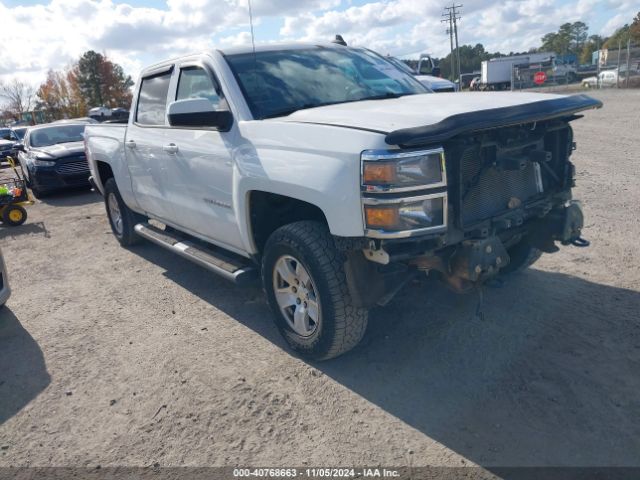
(135, 357)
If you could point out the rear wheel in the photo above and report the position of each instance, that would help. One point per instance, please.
(121, 218)
(303, 275)
(14, 215)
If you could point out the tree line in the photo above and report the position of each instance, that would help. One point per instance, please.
(569, 39)
(92, 81)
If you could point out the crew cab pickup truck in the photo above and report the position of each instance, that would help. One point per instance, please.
(335, 177)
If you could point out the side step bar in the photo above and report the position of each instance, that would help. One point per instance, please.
(226, 266)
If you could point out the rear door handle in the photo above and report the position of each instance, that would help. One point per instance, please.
(130, 144)
(172, 148)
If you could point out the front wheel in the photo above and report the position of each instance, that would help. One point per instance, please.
(303, 276)
(121, 218)
(521, 256)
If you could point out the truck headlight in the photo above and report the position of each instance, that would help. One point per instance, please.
(391, 171)
(406, 215)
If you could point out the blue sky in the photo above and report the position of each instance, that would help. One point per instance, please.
(42, 35)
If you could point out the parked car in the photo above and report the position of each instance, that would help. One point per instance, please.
(100, 113)
(335, 179)
(119, 115)
(607, 78)
(9, 140)
(77, 120)
(5, 290)
(433, 83)
(53, 158)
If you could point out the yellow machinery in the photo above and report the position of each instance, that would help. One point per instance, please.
(13, 198)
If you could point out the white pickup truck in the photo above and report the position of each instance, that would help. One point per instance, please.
(335, 177)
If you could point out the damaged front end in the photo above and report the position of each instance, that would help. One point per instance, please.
(466, 207)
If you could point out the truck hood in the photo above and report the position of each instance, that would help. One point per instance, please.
(420, 119)
(61, 150)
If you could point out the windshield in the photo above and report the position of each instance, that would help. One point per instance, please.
(278, 83)
(43, 137)
(20, 132)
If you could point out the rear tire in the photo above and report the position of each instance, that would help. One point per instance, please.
(303, 276)
(14, 215)
(121, 218)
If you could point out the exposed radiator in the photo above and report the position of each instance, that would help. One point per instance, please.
(491, 191)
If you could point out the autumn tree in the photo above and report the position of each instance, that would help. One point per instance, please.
(92, 81)
(60, 95)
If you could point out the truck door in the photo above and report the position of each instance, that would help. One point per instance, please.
(200, 166)
(143, 144)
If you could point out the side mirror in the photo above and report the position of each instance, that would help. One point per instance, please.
(19, 147)
(198, 113)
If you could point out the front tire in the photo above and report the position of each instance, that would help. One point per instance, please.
(121, 218)
(521, 256)
(38, 193)
(303, 276)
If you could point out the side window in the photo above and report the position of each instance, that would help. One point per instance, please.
(195, 82)
(152, 101)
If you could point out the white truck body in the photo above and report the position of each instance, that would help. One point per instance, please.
(497, 71)
(326, 178)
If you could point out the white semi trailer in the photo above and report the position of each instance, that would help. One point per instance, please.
(496, 73)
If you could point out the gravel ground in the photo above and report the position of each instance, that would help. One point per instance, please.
(134, 357)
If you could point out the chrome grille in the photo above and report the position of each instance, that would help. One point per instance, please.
(491, 189)
(74, 167)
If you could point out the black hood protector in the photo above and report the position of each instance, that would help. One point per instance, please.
(491, 118)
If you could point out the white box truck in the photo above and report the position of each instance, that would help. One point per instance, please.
(496, 73)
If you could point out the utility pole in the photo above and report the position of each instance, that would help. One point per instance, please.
(454, 15)
(598, 64)
(449, 19)
(618, 71)
(628, 62)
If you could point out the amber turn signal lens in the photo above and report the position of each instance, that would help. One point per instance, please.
(375, 173)
(382, 217)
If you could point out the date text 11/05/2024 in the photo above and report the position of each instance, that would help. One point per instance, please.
(315, 472)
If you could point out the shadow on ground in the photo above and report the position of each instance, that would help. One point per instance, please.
(548, 378)
(71, 198)
(36, 228)
(23, 373)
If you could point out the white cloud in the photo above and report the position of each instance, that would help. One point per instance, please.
(613, 24)
(53, 34)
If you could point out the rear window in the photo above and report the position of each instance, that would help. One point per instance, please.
(152, 101)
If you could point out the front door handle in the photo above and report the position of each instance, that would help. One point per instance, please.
(130, 144)
(172, 148)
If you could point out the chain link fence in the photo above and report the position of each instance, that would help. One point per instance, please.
(612, 68)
